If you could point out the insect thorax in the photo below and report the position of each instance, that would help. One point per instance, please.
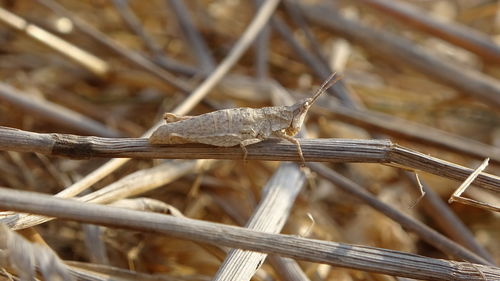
(277, 120)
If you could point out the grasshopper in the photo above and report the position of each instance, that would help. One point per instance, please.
(239, 126)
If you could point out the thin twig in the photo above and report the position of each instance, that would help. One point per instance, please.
(295, 13)
(262, 50)
(477, 204)
(135, 26)
(467, 182)
(337, 254)
(457, 195)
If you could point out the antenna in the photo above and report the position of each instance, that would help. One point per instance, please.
(330, 81)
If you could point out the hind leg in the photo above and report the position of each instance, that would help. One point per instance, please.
(170, 117)
(160, 137)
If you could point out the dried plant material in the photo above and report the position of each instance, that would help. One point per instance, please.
(54, 113)
(456, 196)
(370, 227)
(244, 88)
(24, 257)
(372, 176)
(402, 51)
(100, 272)
(341, 49)
(270, 215)
(319, 150)
(421, 189)
(239, 126)
(87, 60)
(148, 204)
(130, 99)
(337, 254)
(468, 181)
(307, 230)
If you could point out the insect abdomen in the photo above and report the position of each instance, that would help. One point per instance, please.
(220, 128)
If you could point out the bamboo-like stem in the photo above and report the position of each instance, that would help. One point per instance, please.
(337, 254)
(315, 150)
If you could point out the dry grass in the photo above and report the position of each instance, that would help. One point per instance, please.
(110, 69)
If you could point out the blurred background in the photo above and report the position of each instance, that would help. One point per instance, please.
(421, 73)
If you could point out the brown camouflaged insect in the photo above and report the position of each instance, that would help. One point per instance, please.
(239, 126)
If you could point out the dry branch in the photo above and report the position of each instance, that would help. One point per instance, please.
(317, 66)
(344, 255)
(315, 150)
